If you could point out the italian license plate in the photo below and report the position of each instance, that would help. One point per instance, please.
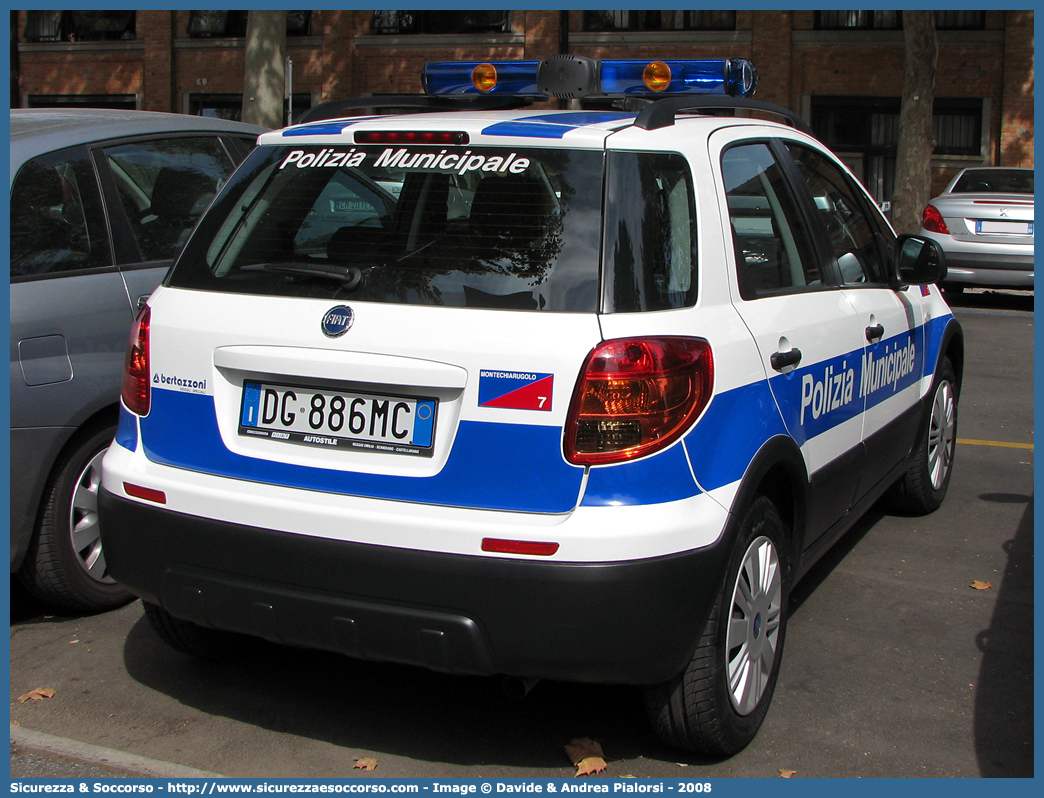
(1009, 228)
(338, 419)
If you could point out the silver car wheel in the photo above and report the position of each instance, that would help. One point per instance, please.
(754, 625)
(83, 521)
(941, 435)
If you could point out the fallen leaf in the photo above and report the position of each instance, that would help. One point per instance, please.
(15, 723)
(980, 585)
(73, 641)
(39, 694)
(682, 764)
(786, 774)
(364, 764)
(586, 754)
(589, 765)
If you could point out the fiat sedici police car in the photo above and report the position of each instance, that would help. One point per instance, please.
(565, 394)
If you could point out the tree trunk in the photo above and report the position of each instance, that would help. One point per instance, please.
(263, 80)
(913, 168)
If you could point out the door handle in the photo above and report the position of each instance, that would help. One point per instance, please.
(874, 332)
(782, 360)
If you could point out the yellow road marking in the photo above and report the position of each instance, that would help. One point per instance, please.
(1005, 444)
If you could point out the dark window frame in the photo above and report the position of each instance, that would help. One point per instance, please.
(80, 26)
(398, 23)
(959, 19)
(857, 113)
(233, 24)
(596, 21)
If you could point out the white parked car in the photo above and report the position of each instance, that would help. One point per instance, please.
(580, 398)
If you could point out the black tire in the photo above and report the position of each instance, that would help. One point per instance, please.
(698, 710)
(64, 565)
(195, 640)
(922, 488)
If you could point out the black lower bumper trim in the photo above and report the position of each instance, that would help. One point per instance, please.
(631, 622)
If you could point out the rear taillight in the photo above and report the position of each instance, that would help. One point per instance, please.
(636, 396)
(932, 221)
(136, 391)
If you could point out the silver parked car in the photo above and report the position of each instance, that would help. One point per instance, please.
(101, 202)
(984, 222)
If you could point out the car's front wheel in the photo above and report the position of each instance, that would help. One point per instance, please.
(718, 703)
(65, 563)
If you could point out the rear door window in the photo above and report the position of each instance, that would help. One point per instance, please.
(773, 251)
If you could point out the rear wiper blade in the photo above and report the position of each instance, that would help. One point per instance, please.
(349, 277)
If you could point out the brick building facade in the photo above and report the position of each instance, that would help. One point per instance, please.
(841, 70)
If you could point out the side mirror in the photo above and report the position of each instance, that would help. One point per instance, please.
(918, 260)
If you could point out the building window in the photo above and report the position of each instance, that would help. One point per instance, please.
(871, 124)
(298, 23)
(79, 26)
(233, 24)
(960, 20)
(893, 20)
(399, 22)
(217, 24)
(659, 20)
(859, 20)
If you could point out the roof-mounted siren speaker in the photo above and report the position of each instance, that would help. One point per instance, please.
(566, 77)
(741, 77)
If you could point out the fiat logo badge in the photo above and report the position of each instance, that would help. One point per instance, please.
(337, 321)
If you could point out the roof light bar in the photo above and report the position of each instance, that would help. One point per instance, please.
(517, 78)
(730, 77)
(570, 76)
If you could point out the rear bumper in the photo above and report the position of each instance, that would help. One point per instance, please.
(1001, 265)
(618, 622)
(965, 272)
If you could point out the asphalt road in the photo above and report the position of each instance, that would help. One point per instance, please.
(895, 666)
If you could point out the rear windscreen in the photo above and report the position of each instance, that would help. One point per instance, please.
(469, 227)
(1004, 181)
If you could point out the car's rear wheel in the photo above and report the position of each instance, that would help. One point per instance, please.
(718, 703)
(923, 487)
(65, 563)
(195, 640)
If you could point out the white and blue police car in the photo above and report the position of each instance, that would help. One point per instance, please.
(566, 394)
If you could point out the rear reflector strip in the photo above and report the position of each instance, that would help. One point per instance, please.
(148, 494)
(518, 547)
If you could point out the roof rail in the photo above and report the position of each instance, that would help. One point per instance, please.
(413, 103)
(661, 113)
